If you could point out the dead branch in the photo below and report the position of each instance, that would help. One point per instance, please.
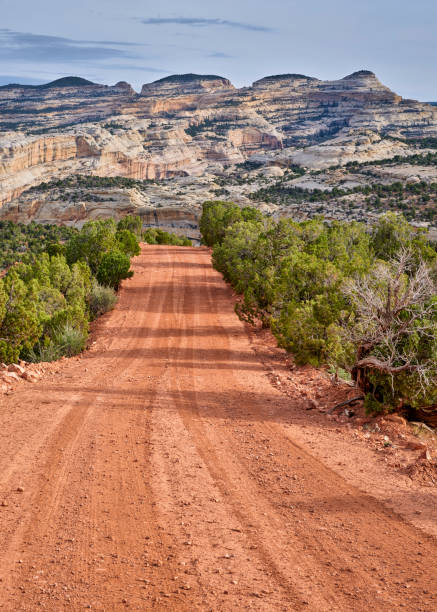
(346, 403)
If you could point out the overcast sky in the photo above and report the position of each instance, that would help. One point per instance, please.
(140, 41)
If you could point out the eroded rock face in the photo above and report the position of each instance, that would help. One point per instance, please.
(178, 84)
(185, 125)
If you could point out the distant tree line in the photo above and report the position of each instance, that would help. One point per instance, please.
(19, 239)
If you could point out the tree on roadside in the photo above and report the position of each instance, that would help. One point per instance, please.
(216, 217)
(114, 267)
(132, 223)
(155, 235)
(393, 331)
(94, 239)
(127, 242)
(20, 326)
(392, 233)
(337, 294)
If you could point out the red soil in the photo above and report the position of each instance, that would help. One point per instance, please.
(166, 469)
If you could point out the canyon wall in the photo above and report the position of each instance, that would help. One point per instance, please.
(187, 125)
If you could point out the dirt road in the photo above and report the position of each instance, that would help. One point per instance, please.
(158, 473)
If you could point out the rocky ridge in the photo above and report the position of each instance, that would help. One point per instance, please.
(192, 126)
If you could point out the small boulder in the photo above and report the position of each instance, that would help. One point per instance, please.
(14, 367)
(30, 376)
(273, 171)
(10, 377)
(413, 445)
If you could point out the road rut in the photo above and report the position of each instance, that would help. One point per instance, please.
(159, 473)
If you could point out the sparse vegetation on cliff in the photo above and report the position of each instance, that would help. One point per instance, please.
(89, 181)
(415, 199)
(219, 126)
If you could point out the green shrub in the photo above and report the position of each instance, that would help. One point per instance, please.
(45, 352)
(70, 340)
(19, 241)
(154, 235)
(336, 294)
(372, 405)
(217, 216)
(67, 341)
(94, 240)
(101, 299)
(127, 242)
(113, 268)
(56, 248)
(132, 223)
(46, 301)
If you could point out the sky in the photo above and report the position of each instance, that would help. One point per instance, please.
(141, 41)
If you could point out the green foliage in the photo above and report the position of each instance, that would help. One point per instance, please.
(70, 340)
(56, 248)
(94, 240)
(18, 240)
(392, 233)
(127, 242)
(83, 181)
(47, 300)
(215, 125)
(20, 325)
(413, 199)
(217, 216)
(132, 223)
(154, 235)
(113, 268)
(65, 342)
(101, 299)
(372, 405)
(294, 277)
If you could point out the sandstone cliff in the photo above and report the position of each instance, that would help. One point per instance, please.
(192, 125)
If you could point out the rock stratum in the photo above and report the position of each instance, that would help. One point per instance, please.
(190, 127)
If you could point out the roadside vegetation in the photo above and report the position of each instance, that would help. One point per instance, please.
(363, 301)
(154, 235)
(59, 284)
(58, 279)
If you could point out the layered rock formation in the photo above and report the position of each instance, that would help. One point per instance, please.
(179, 84)
(190, 125)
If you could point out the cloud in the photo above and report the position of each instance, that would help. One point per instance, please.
(200, 22)
(220, 55)
(25, 46)
(137, 67)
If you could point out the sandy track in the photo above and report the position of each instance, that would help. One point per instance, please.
(159, 472)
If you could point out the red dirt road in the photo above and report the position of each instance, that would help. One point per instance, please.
(158, 472)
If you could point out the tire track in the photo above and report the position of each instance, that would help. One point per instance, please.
(164, 477)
